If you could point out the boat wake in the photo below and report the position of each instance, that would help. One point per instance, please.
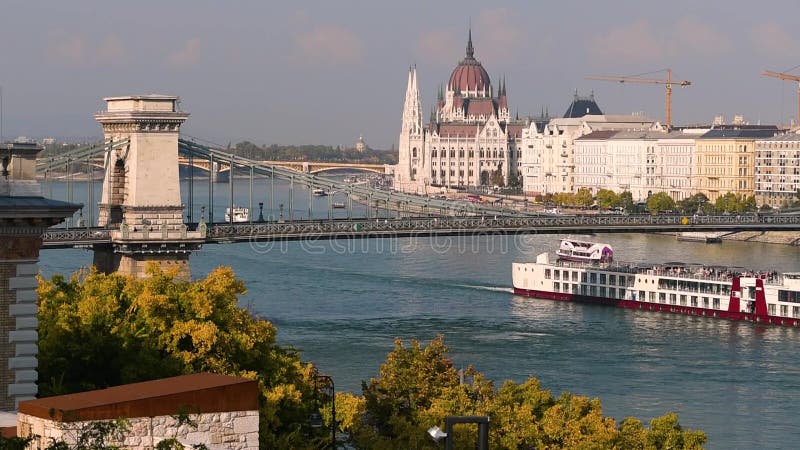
(488, 288)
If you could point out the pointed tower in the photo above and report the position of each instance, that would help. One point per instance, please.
(411, 158)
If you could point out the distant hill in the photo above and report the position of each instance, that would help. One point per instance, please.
(318, 153)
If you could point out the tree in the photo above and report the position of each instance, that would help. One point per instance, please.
(693, 204)
(418, 387)
(626, 198)
(660, 201)
(608, 199)
(583, 198)
(497, 178)
(99, 330)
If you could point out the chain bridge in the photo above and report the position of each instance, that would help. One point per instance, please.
(144, 212)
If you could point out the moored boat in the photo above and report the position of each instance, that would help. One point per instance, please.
(583, 251)
(731, 293)
(240, 214)
(319, 192)
(338, 205)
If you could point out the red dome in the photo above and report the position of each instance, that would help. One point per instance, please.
(469, 74)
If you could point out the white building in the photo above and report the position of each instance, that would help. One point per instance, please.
(639, 162)
(777, 170)
(548, 155)
(470, 136)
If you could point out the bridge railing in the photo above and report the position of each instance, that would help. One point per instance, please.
(78, 155)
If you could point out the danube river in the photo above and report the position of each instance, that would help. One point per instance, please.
(342, 303)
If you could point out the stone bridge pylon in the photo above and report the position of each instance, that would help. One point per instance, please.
(141, 197)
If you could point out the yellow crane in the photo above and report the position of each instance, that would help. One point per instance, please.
(790, 77)
(635, 79)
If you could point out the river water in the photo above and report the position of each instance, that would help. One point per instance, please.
(342, 303)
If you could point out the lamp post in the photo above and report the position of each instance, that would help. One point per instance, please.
(280, 218)
(323, 384)
(260, 211)
(447, 435)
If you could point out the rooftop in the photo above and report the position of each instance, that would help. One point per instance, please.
(205, 392)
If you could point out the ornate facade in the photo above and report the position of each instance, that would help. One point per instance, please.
(470, 140)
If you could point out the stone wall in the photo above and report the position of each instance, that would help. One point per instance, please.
(235, 430)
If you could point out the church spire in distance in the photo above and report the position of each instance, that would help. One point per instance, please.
(470, 50)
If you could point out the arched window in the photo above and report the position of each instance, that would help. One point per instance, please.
(414, 152)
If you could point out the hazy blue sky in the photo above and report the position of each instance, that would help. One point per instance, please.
(325, 71)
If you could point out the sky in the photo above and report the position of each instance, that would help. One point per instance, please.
(324, 72)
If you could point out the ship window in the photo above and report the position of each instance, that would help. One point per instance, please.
(622, 280)
(583, 277)
(602, 291)
(784, 310)
(622, 294)
(662, 297)
(612, 292)
(716, 303)
(796, 312)
(705, 302)
(593, 291)
(642, 297)
(565, 287)
(652, 296)
(583, 289)
(593, 278)
(771, 309)
(612, 279)
(784, 296)
(575, 289)
(673, 299)
(694, 301)
(547, 274)
(556, 287)
(602, 278)
(683, 300)
(574, 277)
(556, 274)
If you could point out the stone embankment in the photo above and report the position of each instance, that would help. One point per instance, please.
(768, 237)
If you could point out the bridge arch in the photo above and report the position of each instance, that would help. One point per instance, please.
(348, 168)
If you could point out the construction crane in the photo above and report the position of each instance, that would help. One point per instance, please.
(786, 76)
(635, 79)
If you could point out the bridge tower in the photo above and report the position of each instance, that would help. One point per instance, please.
(141, 197)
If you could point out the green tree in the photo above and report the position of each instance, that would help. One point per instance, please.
(660, 201)
(418, 387)
(583, 198)
(497, 178)
(99, 330)
(626, 198)
(608, 199)
(693, 204)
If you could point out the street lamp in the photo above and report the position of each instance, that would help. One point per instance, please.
(447, 435)
(323, 384)
(280, 207)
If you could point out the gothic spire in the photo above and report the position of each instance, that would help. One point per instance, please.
(470, 50)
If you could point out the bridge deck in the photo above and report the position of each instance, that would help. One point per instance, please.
(449, 226)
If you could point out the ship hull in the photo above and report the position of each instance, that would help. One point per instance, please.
(659, 307)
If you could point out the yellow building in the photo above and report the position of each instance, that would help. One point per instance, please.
(725, 160)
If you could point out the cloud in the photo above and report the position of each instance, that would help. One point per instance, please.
(328, 44)
(633, 42)
(70, 50)
(641, 42)
(697, 37)
(773, 40)
(75, 50)
(112, 51)
(187, 56)
(499, 33)
(440, 47)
